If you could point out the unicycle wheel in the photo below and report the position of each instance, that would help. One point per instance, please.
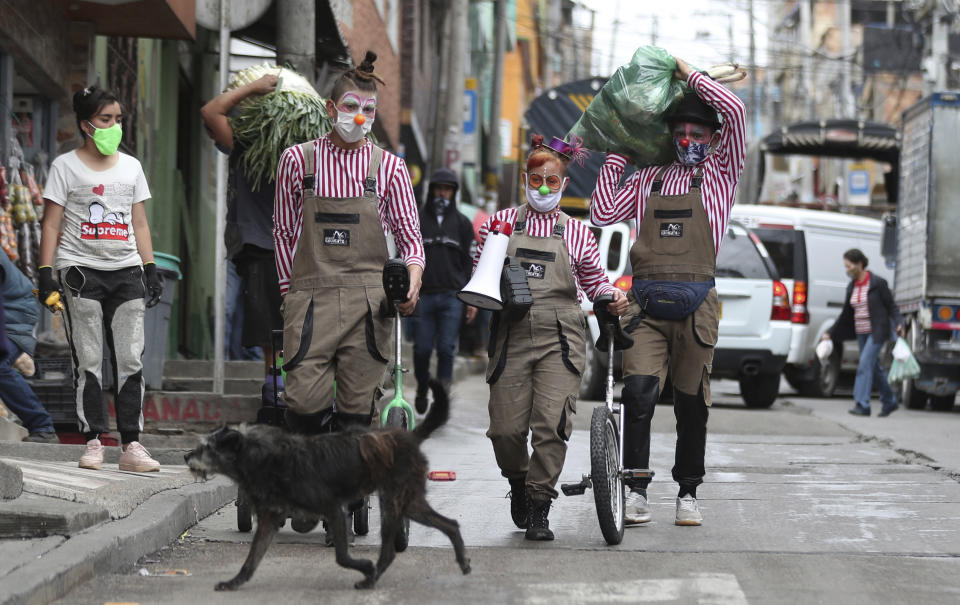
(244, 512)
(608, 490)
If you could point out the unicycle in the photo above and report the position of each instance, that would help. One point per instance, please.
(397, 413)
(606, 440)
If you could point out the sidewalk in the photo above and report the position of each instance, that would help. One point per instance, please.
(61, 525)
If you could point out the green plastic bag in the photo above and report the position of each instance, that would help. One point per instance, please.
(904, 364)
(627, 114)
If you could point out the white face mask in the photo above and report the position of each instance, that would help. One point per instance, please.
(544, 203)
(348, 129)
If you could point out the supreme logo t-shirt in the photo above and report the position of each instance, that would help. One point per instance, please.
(97, 227)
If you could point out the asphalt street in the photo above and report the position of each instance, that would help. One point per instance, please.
(802, 504)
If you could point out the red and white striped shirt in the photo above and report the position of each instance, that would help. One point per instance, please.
(340, 174)
(581, 248)
(611, 204)
(858, 300)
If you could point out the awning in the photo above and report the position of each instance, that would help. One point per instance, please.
(175, 19)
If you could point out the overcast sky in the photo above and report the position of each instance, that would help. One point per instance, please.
(695, 30)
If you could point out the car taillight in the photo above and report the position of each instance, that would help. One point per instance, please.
(798, 312)
(624, 282)
(781, 302)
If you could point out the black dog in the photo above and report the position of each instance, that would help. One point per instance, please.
(285, 475)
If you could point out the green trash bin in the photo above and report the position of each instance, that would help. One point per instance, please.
(156, 321)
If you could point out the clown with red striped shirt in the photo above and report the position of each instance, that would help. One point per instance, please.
(337, 198)
(681, 211)
(536, 362)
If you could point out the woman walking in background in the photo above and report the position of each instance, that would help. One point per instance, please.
(867, 315)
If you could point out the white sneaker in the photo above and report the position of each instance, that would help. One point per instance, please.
(688, 511)
(636, 509)
(92, 456)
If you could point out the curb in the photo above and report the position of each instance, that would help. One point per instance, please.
(111, 546)
(11, 481)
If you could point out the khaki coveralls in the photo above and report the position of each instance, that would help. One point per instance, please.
(535, 365)
(332, 326)
(675, 243)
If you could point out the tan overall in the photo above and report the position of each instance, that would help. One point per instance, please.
(331, 315)
(675, 243)
(535, 365)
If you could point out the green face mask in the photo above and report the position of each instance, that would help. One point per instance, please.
(107, 140)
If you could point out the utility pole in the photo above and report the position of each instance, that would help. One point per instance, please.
(653, 30)
(939, 46)
(809, 105)
(439, 118)
(848, 108)
(613, 38)
(296, 27)
(492, 176)
(754, 113)
(455, 86)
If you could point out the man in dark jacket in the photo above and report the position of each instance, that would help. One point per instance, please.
(447, 235)
(20, 313)
(868, 314)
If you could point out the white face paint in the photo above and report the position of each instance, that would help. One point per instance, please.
(356, 112)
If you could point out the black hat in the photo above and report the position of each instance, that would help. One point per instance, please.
(691, 108)
(444, 176)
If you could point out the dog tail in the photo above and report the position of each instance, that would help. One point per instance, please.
(439, 411)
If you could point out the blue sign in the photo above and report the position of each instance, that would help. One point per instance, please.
(859, 182)
(470, 112)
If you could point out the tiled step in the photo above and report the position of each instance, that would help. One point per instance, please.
(203, 368)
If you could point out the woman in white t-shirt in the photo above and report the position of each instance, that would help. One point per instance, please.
(97, 253)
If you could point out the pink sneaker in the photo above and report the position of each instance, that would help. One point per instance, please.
(136, 458)
(92, 456)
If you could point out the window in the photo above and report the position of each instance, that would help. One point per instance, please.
(739, 256)
(785, 249)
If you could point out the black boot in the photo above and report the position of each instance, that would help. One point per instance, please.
(518, 501)
(420, 403)
(538, 527)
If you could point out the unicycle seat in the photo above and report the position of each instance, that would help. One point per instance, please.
(609, 325)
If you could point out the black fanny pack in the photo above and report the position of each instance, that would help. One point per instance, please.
(670, 299)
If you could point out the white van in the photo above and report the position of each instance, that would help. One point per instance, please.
(807, 248)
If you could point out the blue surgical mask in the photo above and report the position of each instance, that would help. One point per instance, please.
(692, 154)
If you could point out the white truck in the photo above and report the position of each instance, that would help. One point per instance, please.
(927, 248)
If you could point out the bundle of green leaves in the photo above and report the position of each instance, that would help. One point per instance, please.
(265, 125)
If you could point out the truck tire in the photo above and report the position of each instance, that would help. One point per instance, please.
(593, 383)
(760, 391)
(826, 377)
(943, 403)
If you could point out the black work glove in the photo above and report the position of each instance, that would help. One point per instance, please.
(153, 282)
(47, 285)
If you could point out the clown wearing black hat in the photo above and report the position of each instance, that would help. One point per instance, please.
(681, 210)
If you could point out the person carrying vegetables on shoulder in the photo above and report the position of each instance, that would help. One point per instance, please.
(337, 197)
(681, 210)
(249, 234)
(96, 255)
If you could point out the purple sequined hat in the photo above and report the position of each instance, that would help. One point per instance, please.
(570, 151)
(561, 147)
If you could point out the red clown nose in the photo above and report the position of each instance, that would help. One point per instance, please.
(684, 142)
(359, 119)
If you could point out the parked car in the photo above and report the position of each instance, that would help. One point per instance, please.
(807, 248)
(755, 329)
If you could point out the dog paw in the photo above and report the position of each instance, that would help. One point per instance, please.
(365, 583)
(221, 586)
(465, 567)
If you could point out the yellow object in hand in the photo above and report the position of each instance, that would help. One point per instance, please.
(53, 301)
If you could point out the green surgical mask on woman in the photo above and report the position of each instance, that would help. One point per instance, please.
(107, 140)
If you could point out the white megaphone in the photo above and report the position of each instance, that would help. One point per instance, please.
(483, 291)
